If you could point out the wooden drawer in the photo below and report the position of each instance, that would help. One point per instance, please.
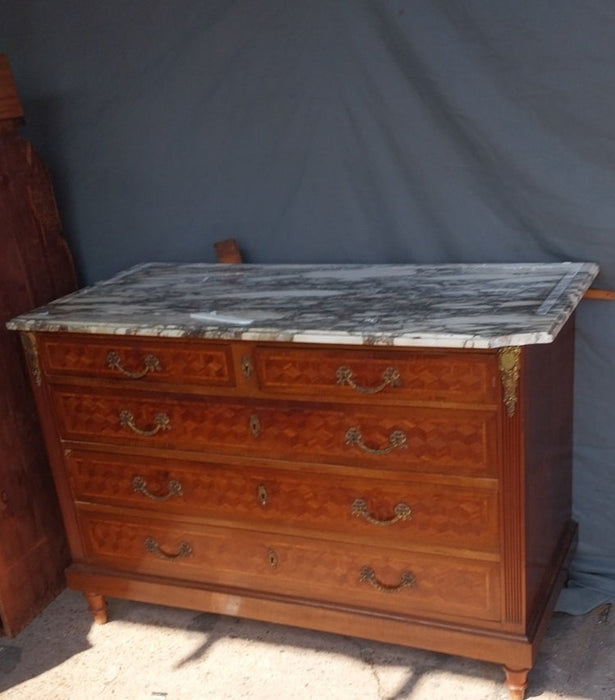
(415, 513)
(146, 360)
(362, 576)
(419, 439)
(377, 375)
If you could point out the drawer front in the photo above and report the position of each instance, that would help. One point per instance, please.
(428, 440)
(424, 514)
(149, 361)
(373, 376)
(364, 576)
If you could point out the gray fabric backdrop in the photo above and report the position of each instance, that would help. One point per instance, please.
(346, 130)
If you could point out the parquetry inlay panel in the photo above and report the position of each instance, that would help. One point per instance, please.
(436, 441)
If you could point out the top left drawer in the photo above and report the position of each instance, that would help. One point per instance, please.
(147, 360)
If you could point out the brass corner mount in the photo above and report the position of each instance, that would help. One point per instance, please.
(508, 362)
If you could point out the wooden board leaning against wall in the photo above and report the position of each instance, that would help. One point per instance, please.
(35, 267)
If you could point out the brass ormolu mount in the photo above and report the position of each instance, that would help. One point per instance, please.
(508, 362)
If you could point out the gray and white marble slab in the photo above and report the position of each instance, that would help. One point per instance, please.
(452, 305)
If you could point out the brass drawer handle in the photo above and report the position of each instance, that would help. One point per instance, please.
(161, 422)
(152, 547)
(151, 364)
(140, 486)
(401, 512)
(390, 377)
(367, 575)
(397, 439)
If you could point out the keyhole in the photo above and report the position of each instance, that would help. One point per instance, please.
(262, 495)
(272, 557)
(255, 425)
(246, 367)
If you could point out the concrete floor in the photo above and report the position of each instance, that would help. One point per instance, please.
(150, 652)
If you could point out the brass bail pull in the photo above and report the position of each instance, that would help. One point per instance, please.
(401, 512)
(161, 422)
(152, 547)
(368, 575)
(150, 364)
(390, 377)
(397, 439)
(174, 488)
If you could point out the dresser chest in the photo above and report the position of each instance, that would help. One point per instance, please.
(374, 451)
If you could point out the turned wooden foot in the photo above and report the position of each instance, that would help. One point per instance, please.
(516, 682)
(97, 606)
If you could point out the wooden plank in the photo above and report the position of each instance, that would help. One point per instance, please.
(35, 267)
(10, 105)
(227, 251)
(604, 294)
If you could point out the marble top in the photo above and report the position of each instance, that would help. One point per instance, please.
(456, 305)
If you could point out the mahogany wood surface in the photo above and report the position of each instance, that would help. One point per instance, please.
(35, 267)
(430, 376)
(548, 381)
(443, 515)
(306, 567)
(153, 361)
(456, 442)
(244, 499)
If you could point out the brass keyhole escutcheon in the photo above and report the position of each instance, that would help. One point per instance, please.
(272, 558)
(255, 425)
(246, 367)
(262, 495)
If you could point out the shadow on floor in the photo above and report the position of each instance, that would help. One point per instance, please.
(53, 638)
(150, 651)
